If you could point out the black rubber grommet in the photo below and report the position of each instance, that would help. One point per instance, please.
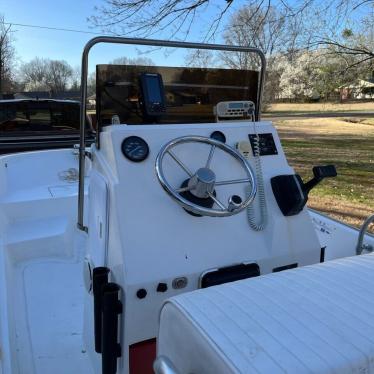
(141, 293)
(162, 287)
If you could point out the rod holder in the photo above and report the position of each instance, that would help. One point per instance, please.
(111, 308)
(99, 279)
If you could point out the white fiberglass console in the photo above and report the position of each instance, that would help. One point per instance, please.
(153, 247)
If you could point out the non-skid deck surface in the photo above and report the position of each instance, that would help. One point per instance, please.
(49, 333)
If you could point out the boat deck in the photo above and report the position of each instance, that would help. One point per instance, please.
(41, 271)
(49, 317)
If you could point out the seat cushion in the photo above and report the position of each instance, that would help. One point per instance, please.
(315, 319)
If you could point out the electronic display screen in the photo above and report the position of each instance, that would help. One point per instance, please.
(236, 105)
(153, 89)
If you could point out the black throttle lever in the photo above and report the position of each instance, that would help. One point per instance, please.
(291, 192)
(320, 173)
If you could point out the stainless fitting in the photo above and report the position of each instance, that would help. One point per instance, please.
(202, 183)
(235, 202)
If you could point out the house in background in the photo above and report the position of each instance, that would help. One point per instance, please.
(362, 89)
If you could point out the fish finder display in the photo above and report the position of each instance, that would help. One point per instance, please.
(153, 88)
(152, 96)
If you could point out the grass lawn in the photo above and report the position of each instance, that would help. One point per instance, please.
(346, 143)
(320, 107)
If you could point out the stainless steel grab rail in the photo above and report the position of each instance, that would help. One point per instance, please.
(360, 247)
(155, 43)
(162, 365)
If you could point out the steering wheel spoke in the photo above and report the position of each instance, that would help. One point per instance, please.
(184, 189)
(217, 202)
(180, 163)
(233, 181)
(211, 153)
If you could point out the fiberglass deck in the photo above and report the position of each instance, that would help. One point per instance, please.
(49, 318)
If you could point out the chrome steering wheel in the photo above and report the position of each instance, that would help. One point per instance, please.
(202, 182)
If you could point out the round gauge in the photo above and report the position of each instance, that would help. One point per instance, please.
(135, 148)
(218, 135)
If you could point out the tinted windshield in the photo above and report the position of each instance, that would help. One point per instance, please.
(33, 116)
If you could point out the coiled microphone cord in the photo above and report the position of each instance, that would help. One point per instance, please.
(253, 223)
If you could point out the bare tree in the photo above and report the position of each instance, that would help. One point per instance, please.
(6, 56)
(33, 74)
(145, 61)
(45, 74)
(176, 18)
(91, 83)
(203, 58)
(75, 79)
(146, 17)
(354, 44)
(270, 30)
(58, 75)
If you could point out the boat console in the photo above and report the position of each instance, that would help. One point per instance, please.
(157, 235)
(176, 205)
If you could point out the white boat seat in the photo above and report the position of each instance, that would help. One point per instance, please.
(315, 319)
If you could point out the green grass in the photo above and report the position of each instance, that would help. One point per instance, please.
(355, 173)
(353, 156)
(306, 112)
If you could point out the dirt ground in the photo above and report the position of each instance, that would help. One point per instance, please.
(321, 107)
(347, 143)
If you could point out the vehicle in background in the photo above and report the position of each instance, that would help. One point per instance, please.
(36, 124)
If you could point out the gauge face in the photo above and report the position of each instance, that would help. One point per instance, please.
(218, 135)
(135, 148)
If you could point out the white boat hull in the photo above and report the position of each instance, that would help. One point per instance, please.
(41, 265)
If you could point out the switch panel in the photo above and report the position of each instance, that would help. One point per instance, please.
(266, 144)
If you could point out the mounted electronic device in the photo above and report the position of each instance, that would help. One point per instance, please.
(234, 110)
(152, 97)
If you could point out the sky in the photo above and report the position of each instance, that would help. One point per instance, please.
(72, 14)
(69, 14)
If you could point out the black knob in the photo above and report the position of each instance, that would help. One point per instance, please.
(141, 293)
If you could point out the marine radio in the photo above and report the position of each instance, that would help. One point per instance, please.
(226, 110)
